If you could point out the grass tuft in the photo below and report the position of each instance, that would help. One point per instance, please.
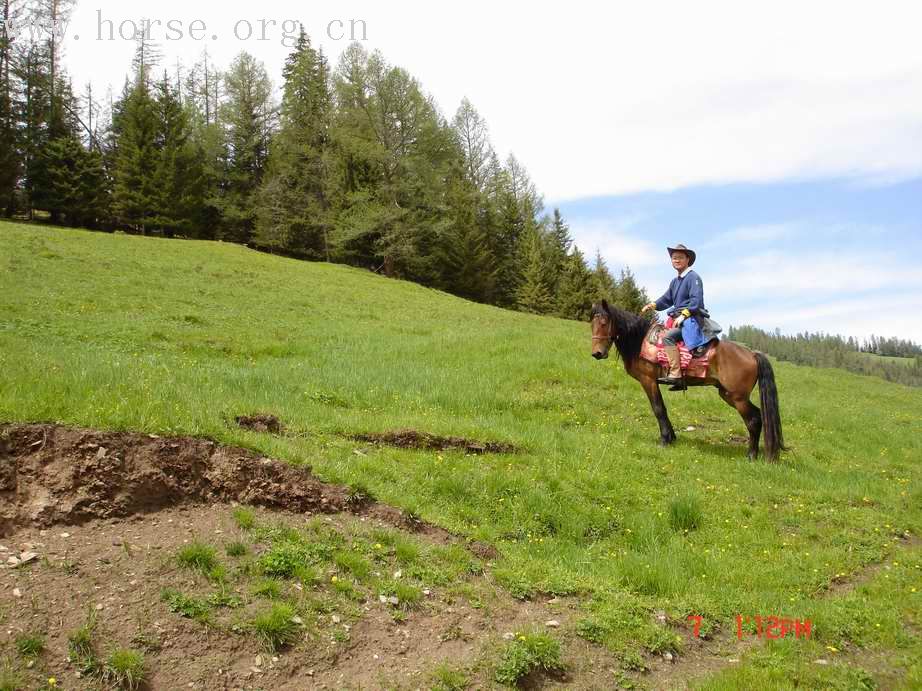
(125, 668)
(198, 556)
(244, 518)
(529, 652)
(236, 549)
(447, 678)
(30, 645)
(276, 628)
(189, 607)
(685, 513)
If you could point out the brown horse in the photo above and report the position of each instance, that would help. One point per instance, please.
(732, 368)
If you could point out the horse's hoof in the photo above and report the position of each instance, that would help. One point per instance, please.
(665, 441)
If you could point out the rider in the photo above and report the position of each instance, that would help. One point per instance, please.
(685, 301)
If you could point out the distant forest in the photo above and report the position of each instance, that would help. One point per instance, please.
(356, 164)
(893, 359)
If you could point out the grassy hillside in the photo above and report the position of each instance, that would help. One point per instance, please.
(178, 337)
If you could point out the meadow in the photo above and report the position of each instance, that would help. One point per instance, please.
(177, 337)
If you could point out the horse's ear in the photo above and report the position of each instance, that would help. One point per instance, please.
(605, 306)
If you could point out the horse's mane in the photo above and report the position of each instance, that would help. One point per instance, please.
(630, 328)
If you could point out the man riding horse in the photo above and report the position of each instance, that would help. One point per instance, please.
(684, 302)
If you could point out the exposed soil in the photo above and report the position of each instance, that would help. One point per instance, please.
(52, 475)
(260, 422)
(413, 439)
(100, 517)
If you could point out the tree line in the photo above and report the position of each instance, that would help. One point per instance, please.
(356, 164)
(825, 350)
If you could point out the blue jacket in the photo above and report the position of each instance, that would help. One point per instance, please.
(686, 293)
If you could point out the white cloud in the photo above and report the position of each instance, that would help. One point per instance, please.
(859, 318)
(610, 98)
(615, 240)
(810, 276)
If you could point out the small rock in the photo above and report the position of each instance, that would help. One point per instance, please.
(660, 616)
(375, 656)
(65, 535)
(382, 599)
(336, 619)
(255, 670)
(26, 557)
(101, 452)
(30, 664)
(99, 607)
(553, 623)
(275, 659)
(667, 657)
(12, 561)
(17, 592)
(508, 636)
(821, 661)
(733, 659)
(690, 428)
(310, 672)
(553, 601)
(297, 620)
(427, 592)
(4, 549)
(398, 574)
(259, 660)
(393, 600)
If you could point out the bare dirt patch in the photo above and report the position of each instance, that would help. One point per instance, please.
(413, 439)
(261, 422)
(107, 514)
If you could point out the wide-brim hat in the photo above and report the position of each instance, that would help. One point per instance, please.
(682, 248)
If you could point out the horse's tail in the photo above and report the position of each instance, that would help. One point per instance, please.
(771, 416)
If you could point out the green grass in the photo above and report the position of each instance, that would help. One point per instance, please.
(10, 678)
(527, 653)
(244, 518)
(30, 645)
(125, 668)
(198, 557)
(685, 513)
(186, 606)
(235, 549)
(209, 331)
(275, 628)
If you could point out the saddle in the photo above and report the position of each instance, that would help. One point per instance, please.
(694, 363)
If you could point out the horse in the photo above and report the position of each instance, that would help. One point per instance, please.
(732, 368)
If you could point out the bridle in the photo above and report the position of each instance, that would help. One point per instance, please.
(609, 338)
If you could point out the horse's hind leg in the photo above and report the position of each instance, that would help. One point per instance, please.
(751, 415)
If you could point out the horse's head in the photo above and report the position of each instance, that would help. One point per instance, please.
(603, 330)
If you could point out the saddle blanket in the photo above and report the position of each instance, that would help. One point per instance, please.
(653, 351)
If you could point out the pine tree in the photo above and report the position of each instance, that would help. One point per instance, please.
(293, 203)
(575, 294)
(469, 267)
(11, 162)
(603, 283)
(629, 295)
(176, 180)
(248, 118)
(136, 197)
(533, 293)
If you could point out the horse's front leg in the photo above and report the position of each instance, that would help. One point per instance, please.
(666, 433)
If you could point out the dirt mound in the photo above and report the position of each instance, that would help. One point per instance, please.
(51, 474)
(412, 439)
(260, 422)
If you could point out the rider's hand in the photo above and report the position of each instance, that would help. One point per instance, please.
(677, 322)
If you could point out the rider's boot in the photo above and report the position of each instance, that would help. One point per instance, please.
(675, 369)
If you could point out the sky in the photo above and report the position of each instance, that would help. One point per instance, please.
(781, 140)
